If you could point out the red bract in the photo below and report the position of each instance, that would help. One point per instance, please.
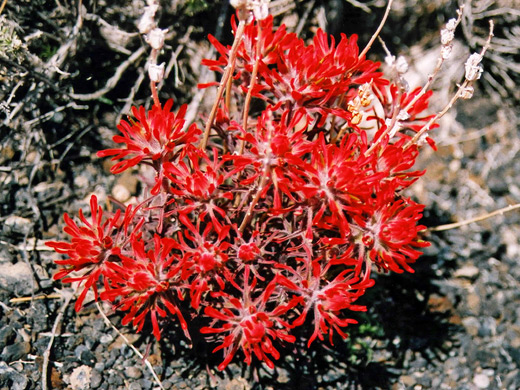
(278, 222)
(247, 325)
(390, 231)
(341, 180)
(91, 249)
(325, 299)
(149, 282)
(153, 137)
(205, 256)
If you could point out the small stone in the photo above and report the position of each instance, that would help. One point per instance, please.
(468, 272)
(472, 325)
(7, 335)
(80, 378)
(15, 225)
(17, 380)
(16, 351)
(16, 278)
(473, 303)
(81, 182)
(106, 339)
(481, 381)
(133, 372)
(120, 193)
(408, 380)
(488, 327)
(96, 379)
(135, 386)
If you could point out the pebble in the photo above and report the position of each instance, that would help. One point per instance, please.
(7, 335)
(15, 225)
(17, 381)
(120, 193)
(96, 378)
(133, 372)
(80, 378)
(481, 381)
(488, 327)
(15, 351)
(135, 386)
(17, 278)
(472, 325)
(468, 271)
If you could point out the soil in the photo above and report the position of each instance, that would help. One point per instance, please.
(453, 324)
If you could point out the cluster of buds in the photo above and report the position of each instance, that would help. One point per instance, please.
(447, 36)
(155, 37)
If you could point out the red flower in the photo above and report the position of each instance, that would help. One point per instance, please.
(91, 252)
(341, 180)
(149, 283)
(156, 136)
(391, 233)
(248, 326)
(204, 259)
(199, 187)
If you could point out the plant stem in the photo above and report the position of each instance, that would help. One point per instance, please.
(228, 72)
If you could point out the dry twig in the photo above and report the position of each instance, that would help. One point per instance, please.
(136, 351)
(47, 352)
(472, 220)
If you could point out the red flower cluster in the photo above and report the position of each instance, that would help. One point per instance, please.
(278, 222)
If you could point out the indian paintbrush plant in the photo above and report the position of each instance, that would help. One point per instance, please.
(266, 219)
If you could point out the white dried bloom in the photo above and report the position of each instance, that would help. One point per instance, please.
(390, 60)
(451, 25)
(156, 72)
(261, 9)
(473, 67)
(237, 4)
(156, 38)
(467, 92)
(446, 51)
(147, 22)
(446, 36)
(401, 65)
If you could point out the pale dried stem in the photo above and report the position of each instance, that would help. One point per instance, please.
(431, 76)
(227, 74)
(249, 213)
(252, 84)
(458, 94)
(376, 34)
(127, 342)
(47, 352)
(155, 95)
(38, 297)
(425, 88)
(112, 81)
(2, 6)
(472, 220)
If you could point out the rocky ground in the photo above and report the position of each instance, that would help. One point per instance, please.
(454, 324)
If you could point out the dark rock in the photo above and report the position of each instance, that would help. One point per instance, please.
(12, 378)
(7, 335)
(85, 355)
(96, 378)
(135, 386)
(15, 351)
